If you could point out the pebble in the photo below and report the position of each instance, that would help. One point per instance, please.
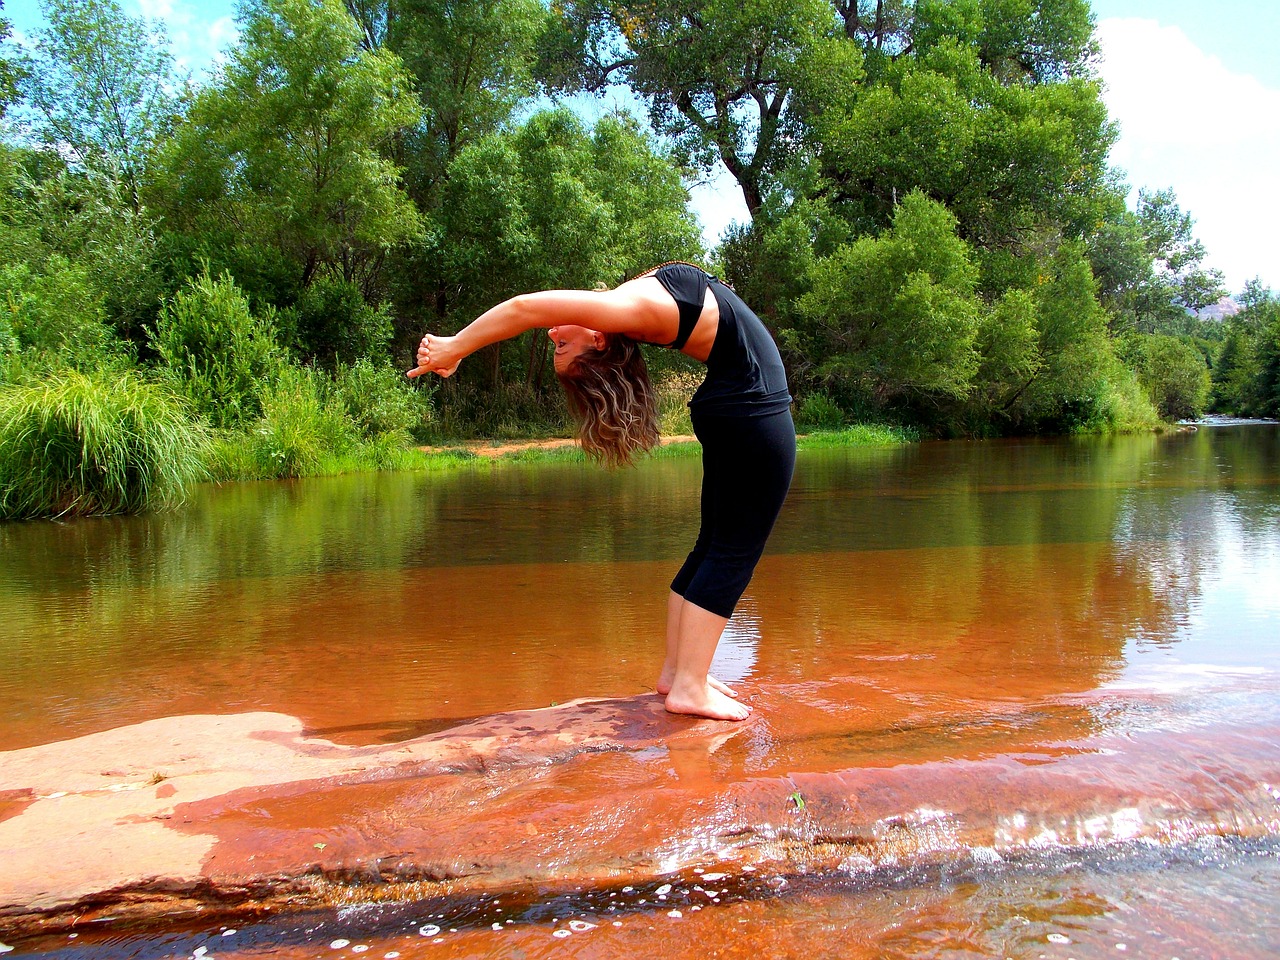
(675, 914)
(339, 944)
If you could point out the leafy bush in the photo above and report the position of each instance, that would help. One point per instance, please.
(380, 400)
(219, 353)
(674, 388)
(301, 427)
(1174, 373)
(331, 324)
(78, 445)
(510, 411)
(819, 412)
(58, 315)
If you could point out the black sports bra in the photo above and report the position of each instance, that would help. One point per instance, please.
(687, 285)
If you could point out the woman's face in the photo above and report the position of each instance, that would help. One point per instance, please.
(570, 341)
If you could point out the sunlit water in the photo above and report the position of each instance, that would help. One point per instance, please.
(925, 614)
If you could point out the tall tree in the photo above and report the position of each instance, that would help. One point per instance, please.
(10, 72)
(101, 87)
(718, 75)
(286, 147)
(553, 204)
(1150, 266)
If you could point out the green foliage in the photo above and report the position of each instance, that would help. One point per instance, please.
(10, 71)
(509, 411)
(1246, 371)
(895, 317)
(287, 148)
(717, 75)
(675, 388)
(1173, 372)
(817, 411)
(331, 323)
(550, 204)
(471, 61)
(217, 351)
(94, 445)
(379, 400)
(56, 318)
(857, 435)
(99, 84)
(301, 427)
(53, 218)
(1149, 266)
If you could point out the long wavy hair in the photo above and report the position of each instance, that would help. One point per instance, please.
(612, 400)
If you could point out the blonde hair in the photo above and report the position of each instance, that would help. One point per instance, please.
(613, 401)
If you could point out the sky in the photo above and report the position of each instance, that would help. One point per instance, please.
(1193, 86)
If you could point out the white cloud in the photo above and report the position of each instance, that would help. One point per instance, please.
(1190, 123)
(198, 41)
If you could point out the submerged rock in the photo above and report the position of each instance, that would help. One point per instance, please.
(238, 813)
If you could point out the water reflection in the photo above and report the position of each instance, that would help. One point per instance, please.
(937, 588)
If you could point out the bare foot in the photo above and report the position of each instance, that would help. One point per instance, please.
(707, 702)
(664, 685)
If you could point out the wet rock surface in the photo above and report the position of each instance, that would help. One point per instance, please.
(237, 814)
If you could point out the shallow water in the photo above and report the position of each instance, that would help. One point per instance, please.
(1047, 671)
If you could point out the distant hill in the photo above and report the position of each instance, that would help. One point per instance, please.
(1225, 307)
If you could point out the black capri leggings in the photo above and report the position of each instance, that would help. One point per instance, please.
(747, 463)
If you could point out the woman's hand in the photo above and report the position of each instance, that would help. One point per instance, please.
(438, 355)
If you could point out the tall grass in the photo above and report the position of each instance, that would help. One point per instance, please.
(77, 445)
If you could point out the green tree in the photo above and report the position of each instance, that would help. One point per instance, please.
(285, 150)
(10, 71)
(1246, 371)
(472, 65)
(553, 204)
(218, 352)
(73, 235)
(101, 88)
(718, 75)
(1174, 374)
(1151, 267)
(895, 318)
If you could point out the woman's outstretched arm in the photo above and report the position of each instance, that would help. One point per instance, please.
(640, 309)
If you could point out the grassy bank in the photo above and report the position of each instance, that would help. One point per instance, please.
(79, 445)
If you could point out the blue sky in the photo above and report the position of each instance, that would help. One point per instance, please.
(1193, 86)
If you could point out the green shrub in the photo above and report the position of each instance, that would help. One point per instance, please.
(301, 429)
(675, 388)
(58, 314)
(1174, 373)
(82, 446)
(332, 324)
(511, 411)
(380, 400)
(819, 412)
(217, 351)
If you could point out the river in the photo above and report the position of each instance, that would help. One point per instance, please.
(1013, 698)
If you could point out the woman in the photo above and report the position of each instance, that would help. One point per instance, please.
(741, 415)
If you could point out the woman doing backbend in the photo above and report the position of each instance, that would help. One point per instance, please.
(741, 415)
